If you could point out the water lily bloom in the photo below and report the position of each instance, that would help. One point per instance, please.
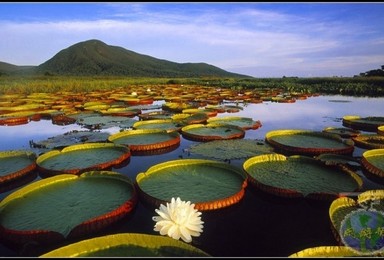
(179, 219)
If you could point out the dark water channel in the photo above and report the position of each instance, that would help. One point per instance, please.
(260, 225)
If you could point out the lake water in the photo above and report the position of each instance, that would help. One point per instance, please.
(260, 225)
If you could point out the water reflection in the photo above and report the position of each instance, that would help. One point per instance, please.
(260, 225)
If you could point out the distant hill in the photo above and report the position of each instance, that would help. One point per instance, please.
(94, 57)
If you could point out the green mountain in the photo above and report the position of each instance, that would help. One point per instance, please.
(94, 57)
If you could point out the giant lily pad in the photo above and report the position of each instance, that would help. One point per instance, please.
(70, 138)
(106, 121)
(243, 122)
(326, 251)
(231, 149)
(369, 124)
(369, 141)
(358, 224)
(344, 132)
(208, 184)
(78, 158)
(212, 131)
(66, 206)
(146, 139)
(307, 142)
(128, 245)
(15, 164)
(373, 162)
(380, 130)
(299, 176)
(164, 124)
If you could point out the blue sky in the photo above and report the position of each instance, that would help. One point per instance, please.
(267, 39)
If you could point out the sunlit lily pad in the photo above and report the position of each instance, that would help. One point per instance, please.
(299, 176)
(369, 141)
(231, 149)
(243, 122)
(146, 139)
(78, 158)
(164, 124)
(373, 162)
(344, 132)
(70, 138)
(212, 131)
(369, 124)
(15, 164)
(208, 184)
(326, 251)
(128, 245)
(66, 206)
(307, 142)
(380, 130)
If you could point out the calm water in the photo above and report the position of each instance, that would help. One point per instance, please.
(260, 225)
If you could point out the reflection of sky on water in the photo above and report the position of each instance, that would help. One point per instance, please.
(314, 113)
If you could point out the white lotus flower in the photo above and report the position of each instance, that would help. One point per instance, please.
(179, 219)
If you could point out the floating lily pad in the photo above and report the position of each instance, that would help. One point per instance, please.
(369, 141)
(344, 132)
(299, 176)
(146, 139)
(326, 251)
(380, 130)
(373, 162)
(243, 122)
(15, 164)
(70, 138)
(336, 159)
(163, 124)
(307, 142)
(128, 245)
(104, 122)
(212, 131)
(156, 115)
(369, 124)
(78, 158)
(66, 206)
(231, 149)
(208, 184)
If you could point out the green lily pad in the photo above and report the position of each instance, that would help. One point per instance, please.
(163, 124)
(104, 122)
(78, 158)
(307, 142)
(206, 183)
(369, 141)
(146, 139)
(373, 162)
(231, 149)
(70, 138)
(336, 159)
(15, 164)
(212, 131)
(128, 245)
(66, 206)
(369, 124)
(243, 122)
(299, 176)
(344, 132)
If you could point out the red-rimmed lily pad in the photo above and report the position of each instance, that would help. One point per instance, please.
(66, 206)
(344, 132)
(307, 142)
(208, 184)
(164, 124)
(244, 122)
(369, 141)
(78, 158)
(373, 162)
(212, 131)
(15, 164)
(146, 139)
(128, 245)
(369, 123)
(300, 176)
